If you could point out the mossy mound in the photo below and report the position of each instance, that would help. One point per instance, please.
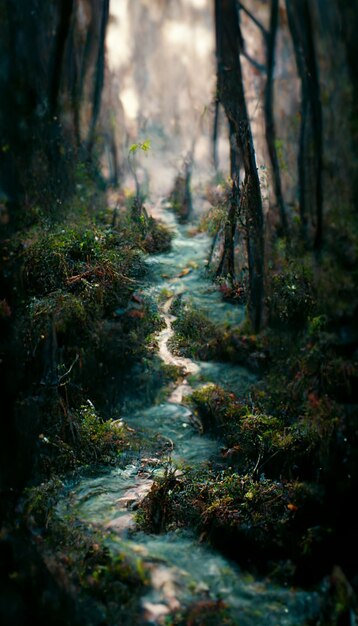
(197, 336)
(258, 522)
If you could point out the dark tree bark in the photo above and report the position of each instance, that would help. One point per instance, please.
(269, 115)
(215, 135)
(73, 78)
(227, 262)
(60, 48)
(348, 27)
(248, 202)
(99, 79)
(317, 124)
(84, 63)
(310, 154)
(269, 37)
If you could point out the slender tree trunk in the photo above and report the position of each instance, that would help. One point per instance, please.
(317, 128)
(215, 136)
(310, 156)
(302, 167)
(231, 95)
(60, 47)
(227, 261)
(269, 115)
(73, 76)
(99, 79)
(213, 245)
(78, 96)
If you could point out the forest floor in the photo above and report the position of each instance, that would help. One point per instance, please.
(182, 469)
(201, 477)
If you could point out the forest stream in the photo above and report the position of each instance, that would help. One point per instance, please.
(181, 568)
(178, 313)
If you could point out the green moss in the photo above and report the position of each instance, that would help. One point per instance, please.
(263, 518)
(85, 260)
(194, 331)
(150, 235)
(196, 336)
(158, 237)
(103, 583)
(41, 500)
(77, 319)
(83, 439)
(252, 438)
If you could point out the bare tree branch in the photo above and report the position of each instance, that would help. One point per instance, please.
(258, 66)
(254, 20)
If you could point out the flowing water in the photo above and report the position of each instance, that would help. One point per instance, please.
(182, 570)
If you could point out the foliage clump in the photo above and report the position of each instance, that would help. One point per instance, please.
(150, 235)
(197, 336)
(292, 299)
(254, 520)
(158, 237)
(77, 317)
(90, 261)
(82, 439)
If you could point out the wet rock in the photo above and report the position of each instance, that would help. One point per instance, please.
(121, 524)
(153, 612)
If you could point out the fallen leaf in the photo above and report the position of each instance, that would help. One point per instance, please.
(185, 272)
(136, 313)
(292, 507)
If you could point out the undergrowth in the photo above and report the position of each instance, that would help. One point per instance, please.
(198, 337)
(78, 319)
(281, 503)
(103, 584)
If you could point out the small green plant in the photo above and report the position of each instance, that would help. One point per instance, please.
(138, 210)
(144, 146)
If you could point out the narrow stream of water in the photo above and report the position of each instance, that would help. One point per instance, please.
(182, 569)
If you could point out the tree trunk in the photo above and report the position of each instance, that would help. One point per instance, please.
(269, 116)
(231, 95)
(99, 80)
(310, 156)
(215, 136)
(61, 41)
(227, 261)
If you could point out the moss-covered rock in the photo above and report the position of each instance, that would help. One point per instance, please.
(257, 522)
(197, 336)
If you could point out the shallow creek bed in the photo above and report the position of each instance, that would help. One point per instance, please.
(181, 569)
